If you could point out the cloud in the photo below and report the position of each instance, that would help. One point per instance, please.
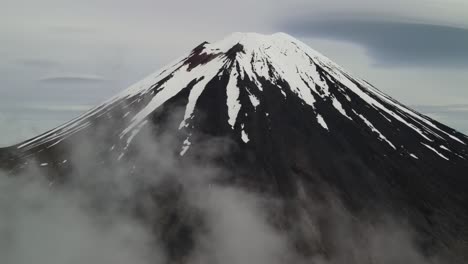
(47, 226)
(153, 207)
(393, 43)
(74, 78)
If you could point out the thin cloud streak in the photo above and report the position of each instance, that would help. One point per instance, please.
(83, 79)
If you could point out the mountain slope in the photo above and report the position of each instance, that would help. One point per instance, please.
(253, 62)
(296, 120)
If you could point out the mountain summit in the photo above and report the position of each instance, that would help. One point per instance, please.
(248, 71)
(296, 119)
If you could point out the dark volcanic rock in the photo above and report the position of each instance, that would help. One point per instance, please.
(291, 118)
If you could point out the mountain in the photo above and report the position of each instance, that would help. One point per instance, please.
(295, 121)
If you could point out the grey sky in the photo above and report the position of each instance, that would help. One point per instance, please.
(63, 54)
(392, 43)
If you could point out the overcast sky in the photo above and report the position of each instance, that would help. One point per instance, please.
(60, 57)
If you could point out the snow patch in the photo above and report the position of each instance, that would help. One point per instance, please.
(245, 137)
(135, 132)
(321, 121)
(372, 127)
(185, 147)
(435, 151)
(339, 107)
(445, 148)
(233, 104)
(254, 100)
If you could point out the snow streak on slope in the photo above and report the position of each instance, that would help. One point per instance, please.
(232, 91)
(275, 61)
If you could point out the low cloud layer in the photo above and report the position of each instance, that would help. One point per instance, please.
(152, 207)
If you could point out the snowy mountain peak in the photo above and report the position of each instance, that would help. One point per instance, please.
(250, 70)
(293, 125)
(252, 41)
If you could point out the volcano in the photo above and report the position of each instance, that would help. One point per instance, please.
(295, 120)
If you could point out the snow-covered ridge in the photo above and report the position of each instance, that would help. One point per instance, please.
(279, 59)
